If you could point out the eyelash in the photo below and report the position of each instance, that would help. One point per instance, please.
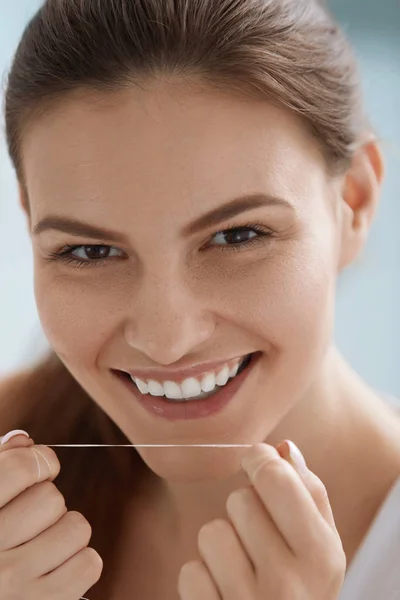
(65, 253)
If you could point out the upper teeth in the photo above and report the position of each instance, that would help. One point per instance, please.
(191, 387)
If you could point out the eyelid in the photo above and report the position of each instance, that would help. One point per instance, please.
(258, 227)
(65, 253)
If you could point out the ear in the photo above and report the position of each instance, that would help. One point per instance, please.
(24, 203)
(359, 200)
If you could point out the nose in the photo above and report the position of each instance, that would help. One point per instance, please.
(168, 322)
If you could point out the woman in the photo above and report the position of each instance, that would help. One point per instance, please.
(195, 176)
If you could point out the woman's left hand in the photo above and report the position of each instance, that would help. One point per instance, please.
(280, 542)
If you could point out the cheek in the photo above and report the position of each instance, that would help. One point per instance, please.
(75, 317)
(285, 300)
(301, 309)
(284, 307)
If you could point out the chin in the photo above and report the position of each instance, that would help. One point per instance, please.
(188, 465)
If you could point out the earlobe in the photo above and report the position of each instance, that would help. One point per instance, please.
(360, 197)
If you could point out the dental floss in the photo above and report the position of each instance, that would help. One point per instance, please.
(148, 445)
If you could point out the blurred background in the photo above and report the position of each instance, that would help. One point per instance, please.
(368, 302)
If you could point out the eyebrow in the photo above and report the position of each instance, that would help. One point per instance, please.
(214, 217)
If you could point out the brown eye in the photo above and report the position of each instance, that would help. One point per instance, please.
(96, 252)
(91, 255)
(235, 236)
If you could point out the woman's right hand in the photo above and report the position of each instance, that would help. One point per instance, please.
(44, 552)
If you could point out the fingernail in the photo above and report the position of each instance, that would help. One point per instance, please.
(295, 457)
(12, 434)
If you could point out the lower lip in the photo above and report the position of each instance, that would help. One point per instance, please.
(193, 409)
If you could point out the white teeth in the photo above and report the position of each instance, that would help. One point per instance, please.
(143, 387)
(172, 390)
(155, 388)
(191, 387)
(235, 369)
(223, 376)
(208, 382)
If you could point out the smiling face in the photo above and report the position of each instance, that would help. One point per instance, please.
(162, 293)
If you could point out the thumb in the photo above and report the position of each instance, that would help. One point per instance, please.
(17, 438)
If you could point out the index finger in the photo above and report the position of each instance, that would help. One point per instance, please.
(313, 483)
(23, 467)
(287, 499)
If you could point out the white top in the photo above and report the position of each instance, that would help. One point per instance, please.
(374, 573)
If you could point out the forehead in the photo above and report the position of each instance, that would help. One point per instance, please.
(165, 139)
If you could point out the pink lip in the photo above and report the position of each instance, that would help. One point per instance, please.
(179, 375)
(194, 409)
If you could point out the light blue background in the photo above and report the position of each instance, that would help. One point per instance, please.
(367, 321)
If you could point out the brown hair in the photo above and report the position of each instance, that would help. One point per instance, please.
(287, 52)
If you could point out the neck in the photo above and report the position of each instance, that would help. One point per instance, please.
(345, 434)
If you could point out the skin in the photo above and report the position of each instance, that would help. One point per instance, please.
(145, 163)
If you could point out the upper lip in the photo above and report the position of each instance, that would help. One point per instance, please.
(178, 375)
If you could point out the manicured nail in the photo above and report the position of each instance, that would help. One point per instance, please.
(296, 457)
(12, 434)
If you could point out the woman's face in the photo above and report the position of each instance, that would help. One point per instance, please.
(146, 164)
